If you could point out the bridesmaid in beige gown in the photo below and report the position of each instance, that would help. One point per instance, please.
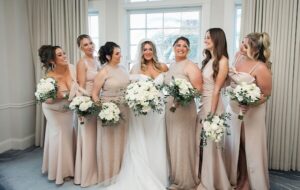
(246, 149)
(181, 124)
(214, 72)
(58, 158)
(86, 161)
(110, 83)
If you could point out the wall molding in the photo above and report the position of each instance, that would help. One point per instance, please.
(17, 143)
(17, 105)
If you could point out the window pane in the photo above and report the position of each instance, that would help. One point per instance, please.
(172, 20)
(163, 27)
(154, 20)
(190, 19)
(136, 36)
(156, 35)
(94, 23)
(137, 21)
(133, 51)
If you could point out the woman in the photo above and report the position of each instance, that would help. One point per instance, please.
(247, 146)
(58, 158)
(181, 124)
(110, 83)
(145, 163)
(214, 71)
(86, 161)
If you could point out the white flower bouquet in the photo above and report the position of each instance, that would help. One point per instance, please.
(214, 127)
(144, 96)
(46, 88)
(110, 114)
(83, 106)
(182, 91)
(245, 94)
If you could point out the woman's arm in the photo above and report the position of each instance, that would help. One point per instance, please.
(81, 73)
(98, 83)
(220, 80)
(195, 76)
(264, 81)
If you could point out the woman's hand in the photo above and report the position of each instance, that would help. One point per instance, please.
(244, 108)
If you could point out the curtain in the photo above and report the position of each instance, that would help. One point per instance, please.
(56, 22)
(281, 19)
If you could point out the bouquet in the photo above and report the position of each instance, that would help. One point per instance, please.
(214, 127)
(83, 106)
(245, 94)
(46, 88)
(110, 114)
(182, 91)
(143, 96)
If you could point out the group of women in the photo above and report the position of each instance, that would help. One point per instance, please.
(158, 151)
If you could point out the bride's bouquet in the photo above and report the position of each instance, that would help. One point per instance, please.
(46, 88)
(83, 106)
(245, 94)
(182, 91)
(214, 127)
(144, 96)
(110, 114)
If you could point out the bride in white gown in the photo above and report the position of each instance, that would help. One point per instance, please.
(145, 165)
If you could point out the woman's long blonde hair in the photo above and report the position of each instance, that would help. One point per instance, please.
(156, 63)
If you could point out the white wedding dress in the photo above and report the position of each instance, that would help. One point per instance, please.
(145, 165)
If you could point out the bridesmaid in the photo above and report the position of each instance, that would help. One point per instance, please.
(111, 81)
(181, 124)
(214, 71)
(86, 161)
(58, 158)
(247, 146)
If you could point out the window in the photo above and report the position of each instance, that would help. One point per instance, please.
(237, 26)
(163, 27)
(93, 24)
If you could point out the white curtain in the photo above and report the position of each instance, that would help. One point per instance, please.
(281, 19)
(56, 22)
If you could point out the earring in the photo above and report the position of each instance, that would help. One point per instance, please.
(108, 57)
(52, 66)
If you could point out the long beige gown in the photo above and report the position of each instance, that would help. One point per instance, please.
(255, 138)
(58, 157)
(181, 138)
(111, 140)
(213, 171)
(86, 160)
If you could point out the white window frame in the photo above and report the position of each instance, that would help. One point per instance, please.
(237, 37)
(167, 10)
(125, 6)
(97, 42)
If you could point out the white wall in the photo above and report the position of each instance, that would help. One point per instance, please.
(17, 105)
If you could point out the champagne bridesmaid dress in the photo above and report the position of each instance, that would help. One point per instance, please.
(86, 160)
(58, 157)
(255, 138)
(181, 138)
(213, 171)
(111, 140)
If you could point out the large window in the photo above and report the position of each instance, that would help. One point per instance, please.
(237, 26)
(163, 26)
(93, 24)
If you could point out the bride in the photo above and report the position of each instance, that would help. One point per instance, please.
(145, 165)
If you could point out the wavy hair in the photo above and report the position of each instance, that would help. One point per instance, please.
(220, 49)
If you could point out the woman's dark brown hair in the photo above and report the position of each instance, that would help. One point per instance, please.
(218, 38)
(47, 56)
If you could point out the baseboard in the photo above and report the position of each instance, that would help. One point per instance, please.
(17, 144)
